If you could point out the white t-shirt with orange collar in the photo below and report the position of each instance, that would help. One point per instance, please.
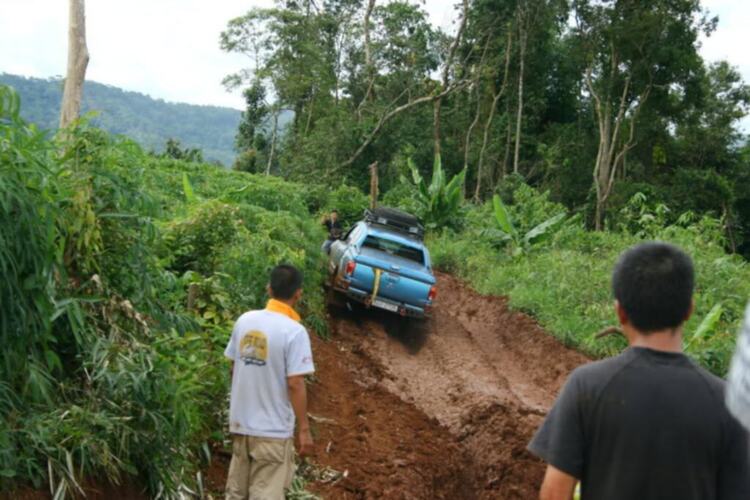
(267, 347)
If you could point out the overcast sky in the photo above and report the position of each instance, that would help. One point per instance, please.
(169, 49)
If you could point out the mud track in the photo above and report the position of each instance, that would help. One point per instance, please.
(442, 409)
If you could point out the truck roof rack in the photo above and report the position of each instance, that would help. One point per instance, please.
(396, 220)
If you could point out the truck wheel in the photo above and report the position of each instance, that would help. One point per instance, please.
(334, 300)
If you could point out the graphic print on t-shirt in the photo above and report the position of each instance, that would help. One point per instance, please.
(254, 348)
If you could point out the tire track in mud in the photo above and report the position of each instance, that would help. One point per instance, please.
(486, 374)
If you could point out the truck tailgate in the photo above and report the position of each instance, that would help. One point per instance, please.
(401, 282)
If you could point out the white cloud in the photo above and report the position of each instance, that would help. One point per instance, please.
(169, 49)
(730, 41)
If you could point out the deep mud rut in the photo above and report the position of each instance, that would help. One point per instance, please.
(442, 409)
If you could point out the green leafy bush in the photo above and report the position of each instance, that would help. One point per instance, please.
(194, 242)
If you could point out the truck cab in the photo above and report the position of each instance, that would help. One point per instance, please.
(382, 262)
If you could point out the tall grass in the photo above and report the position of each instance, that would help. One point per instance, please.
(106, 374)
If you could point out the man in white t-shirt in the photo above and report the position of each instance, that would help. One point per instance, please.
(270, 352)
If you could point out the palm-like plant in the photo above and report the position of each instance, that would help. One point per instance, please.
(441, 198)
(506, 232)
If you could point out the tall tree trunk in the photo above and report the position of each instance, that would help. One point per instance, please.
(273, 140)
(477, 86)
(485, 137)
(369, 66)
(374, 185)
(612, 150)
(78, 60)
(488, 123)
(309, 114)
(446, 71)
(523, 37)
(506, 152)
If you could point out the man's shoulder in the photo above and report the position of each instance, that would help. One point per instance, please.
(595, 370)
(715, 384)
(247, 316)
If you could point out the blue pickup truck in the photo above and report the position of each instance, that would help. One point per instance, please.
(382, 262)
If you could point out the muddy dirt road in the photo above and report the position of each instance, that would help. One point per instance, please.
(442, 410)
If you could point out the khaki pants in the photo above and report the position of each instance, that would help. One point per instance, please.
(261, 468)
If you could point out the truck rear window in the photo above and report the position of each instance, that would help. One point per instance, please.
(394, 248)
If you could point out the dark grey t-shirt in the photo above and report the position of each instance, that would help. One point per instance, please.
(646, 425)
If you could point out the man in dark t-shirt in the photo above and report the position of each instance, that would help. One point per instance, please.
(649, 423)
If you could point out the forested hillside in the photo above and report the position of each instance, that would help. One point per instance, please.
(149, 121)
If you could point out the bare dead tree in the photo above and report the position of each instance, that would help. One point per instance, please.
(78, 60)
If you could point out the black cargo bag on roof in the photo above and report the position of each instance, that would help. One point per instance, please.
(396, 220)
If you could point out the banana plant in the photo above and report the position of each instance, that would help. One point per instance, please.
(707, 326)
(506, 231)
(441, 199)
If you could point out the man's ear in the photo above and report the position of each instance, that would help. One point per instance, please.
(268, 290)
(622, 316)
(298, 295)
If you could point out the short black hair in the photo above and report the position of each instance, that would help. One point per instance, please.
(653, 282)
(334, 211)
(285, 281)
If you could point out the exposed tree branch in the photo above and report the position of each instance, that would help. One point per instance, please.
(394, 112)
(467, 142)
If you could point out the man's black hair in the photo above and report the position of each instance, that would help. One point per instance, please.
(653, 283)
(285, 281)
(334, 211)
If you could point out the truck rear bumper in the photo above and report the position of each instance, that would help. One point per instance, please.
(400, 308)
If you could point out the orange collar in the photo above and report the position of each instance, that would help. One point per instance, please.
(277, 306)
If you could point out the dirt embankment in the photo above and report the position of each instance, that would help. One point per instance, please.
(443, 409)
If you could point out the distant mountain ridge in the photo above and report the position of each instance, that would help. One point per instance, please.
(148, 121)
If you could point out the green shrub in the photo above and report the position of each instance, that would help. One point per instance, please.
(350, 203)
(194, 242)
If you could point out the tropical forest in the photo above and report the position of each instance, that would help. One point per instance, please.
(535, 141)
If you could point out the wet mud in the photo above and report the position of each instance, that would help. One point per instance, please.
(436, 409)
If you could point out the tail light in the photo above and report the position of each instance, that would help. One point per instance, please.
(350, 267)
(433, 293)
